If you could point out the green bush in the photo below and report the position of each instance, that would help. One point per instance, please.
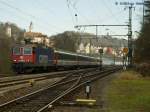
(144, 69)
(5, 62)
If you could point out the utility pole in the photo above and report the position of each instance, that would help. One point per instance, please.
(90, 45)
(130, 43)
(96, 26)
(143, 11)
(146, 11)
(130, 46)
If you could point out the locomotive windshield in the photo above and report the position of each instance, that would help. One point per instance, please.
(16, 51)
(27, 51)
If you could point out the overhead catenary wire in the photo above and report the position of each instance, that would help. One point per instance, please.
(70, 12)
(53, 13)
(50, 12)
(93, 6)
(23, 18)
(25, 13)
(48, 9)
(77, 12)
(110, 11)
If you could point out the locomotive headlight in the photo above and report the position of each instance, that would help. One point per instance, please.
(21, 57)
(15, 60)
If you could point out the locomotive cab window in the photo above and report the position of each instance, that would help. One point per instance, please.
(27, 51)
(16, 51)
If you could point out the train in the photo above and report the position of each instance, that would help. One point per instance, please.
(29, 57)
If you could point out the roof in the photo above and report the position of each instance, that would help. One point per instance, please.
(34, 34)
(74, 54)
(29, 45)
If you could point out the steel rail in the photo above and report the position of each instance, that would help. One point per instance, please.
(77, 86)
(52, 86)
(63, 83)
(35, 78)
(57, 83)
(25, 77)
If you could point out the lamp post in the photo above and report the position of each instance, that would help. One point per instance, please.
(100, 61)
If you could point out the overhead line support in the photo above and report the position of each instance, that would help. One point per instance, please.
(97, 25)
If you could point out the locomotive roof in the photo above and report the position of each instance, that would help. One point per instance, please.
(30, 45)
(22, 45)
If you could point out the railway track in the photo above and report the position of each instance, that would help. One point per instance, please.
(16, 80)
(14, 91)
(40, 100)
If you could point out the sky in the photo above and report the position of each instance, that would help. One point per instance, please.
(56, 16)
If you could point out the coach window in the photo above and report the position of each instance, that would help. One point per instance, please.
(27, 51)
(16, 51)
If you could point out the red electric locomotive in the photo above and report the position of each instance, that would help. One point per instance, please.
(28, 57)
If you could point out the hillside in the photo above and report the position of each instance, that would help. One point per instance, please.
(74, 39)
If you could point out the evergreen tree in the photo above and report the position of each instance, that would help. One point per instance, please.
(142, 53)
(66, 41)
(5, 45)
